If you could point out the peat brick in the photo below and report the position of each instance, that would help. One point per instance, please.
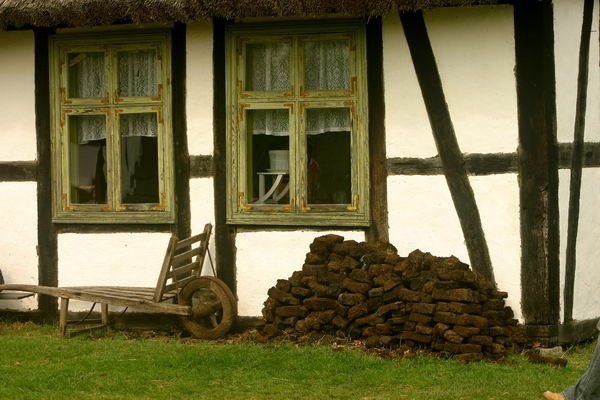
(355, 286)
(424, 308)
(320, 303)
(351, 299)
(472, 320)
(417, 337)
(291, 311)
(466, 331)
(445, 317)
(461, 295)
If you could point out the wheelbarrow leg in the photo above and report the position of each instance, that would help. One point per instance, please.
(64, 310)
(104, 313)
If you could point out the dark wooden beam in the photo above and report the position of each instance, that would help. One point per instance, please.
(181, 156)
(573, 332)
(18, 171)
(378, 231)
(538, 162)
(577, 160)
(475, 164)
(201, 166)
(47, 237)
(224, 235)
(446, 142)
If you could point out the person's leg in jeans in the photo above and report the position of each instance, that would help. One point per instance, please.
(588, 386)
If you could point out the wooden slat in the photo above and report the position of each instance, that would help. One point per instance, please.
(162, 277)
(186, 256)
(177, 272)
(179, 284)
(14, 295)
(146, 305)
(119, 293)
(181, 244)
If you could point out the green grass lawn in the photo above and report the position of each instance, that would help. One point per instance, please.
(35, 363)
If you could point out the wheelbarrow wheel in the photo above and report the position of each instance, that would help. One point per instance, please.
(213, 307)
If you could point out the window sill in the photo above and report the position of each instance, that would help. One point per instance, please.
(124, 217)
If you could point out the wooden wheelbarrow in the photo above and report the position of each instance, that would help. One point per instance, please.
(205, 304)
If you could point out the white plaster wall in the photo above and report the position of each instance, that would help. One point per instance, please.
(203, 211)
(17, 113)
(111, 259)
(474, 49)
(264, 257)
(422, 216)
(568, 15)
(586, 300)
(199, 88)
(18, 238)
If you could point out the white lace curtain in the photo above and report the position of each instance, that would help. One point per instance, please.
(326, 66)
(136, 78)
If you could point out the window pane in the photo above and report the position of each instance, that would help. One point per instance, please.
(268, 156)
(327, 65)
(137, 73)
(268, 66)
(329, 157)
(86, 75)
(139, 158)
(87, 159)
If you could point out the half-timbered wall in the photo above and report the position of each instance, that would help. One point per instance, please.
(567, 28)
(474, 50)
(18, 237)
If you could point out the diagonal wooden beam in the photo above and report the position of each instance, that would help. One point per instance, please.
(577, 160)
(448, 149)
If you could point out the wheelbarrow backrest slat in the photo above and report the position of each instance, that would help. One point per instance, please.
(183, 262)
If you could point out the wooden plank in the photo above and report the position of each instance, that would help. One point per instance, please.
(14, 295)
(147, 305)
(162, 277)
(183, 243)
(105, 291)
(577, 160)
(538, 165)
(446, 142)
(179, 284)
(184, 269)
(186, 256)
(378, 231)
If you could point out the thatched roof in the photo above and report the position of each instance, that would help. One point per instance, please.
(15, 14)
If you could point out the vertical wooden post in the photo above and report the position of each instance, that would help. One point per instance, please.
(181, 153)
(47, 234)
(538, 166)
(577, 160)
(448, 149)
(379, 229)
(224, 235)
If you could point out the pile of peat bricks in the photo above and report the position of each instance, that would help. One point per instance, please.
(369, 293)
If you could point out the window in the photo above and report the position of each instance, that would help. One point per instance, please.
(297, 125)
(111, 139)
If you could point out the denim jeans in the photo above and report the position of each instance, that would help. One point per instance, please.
(588, 386)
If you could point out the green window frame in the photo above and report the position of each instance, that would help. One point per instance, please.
(288, 196)
(112, 146)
